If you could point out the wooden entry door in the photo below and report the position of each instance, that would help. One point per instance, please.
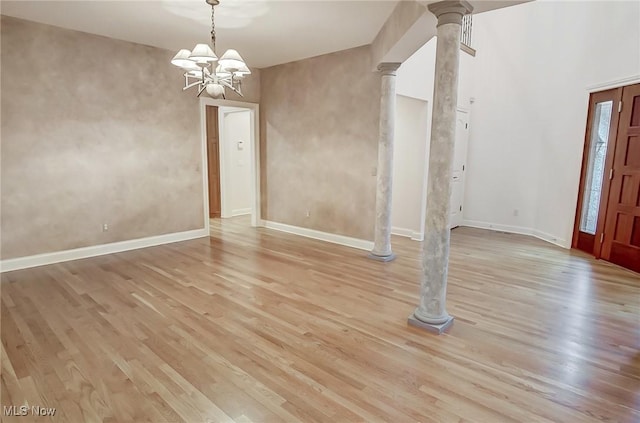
(597, 158)
(213, 161)
(622, 228)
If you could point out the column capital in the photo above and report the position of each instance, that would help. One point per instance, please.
(450, 11)
(388, 68)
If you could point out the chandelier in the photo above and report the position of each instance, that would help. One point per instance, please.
(204, 70)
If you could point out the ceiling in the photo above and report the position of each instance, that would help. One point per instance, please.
(265, 32)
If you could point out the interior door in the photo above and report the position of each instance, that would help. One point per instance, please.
(622, 228)
(459, 164)
(597, 158)
(213, 161)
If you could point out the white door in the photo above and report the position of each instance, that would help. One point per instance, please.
(235, 161)
(459, 167)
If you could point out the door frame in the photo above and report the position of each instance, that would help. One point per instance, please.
(617, 83)
(254, 146)
(614, 95)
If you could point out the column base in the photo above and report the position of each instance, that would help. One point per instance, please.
(390, 257)
(433, 328)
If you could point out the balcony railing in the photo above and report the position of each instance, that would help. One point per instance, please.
(465, 34)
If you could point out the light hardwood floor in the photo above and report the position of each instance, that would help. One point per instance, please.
(257, 325)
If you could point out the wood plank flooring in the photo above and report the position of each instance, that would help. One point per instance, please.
(253, 325)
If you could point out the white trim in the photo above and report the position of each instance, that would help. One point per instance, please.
(407, 233)
(256, 215)
(240, 212)
(498, 227)
(634, 79)
(204, 167)
(99, 250)
(222, 161)
(254, 145)
(322, 236)
(521, 230)
(228, 109)
(560, 242)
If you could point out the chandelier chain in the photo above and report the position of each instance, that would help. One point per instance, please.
(213, 28)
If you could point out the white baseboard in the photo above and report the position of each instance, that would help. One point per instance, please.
(560, 242)
(521, 230)
(417, 236)
(322, 236)
(498, 227)
(98, 250)
(402, 232)
(240, 212)
(408, 233)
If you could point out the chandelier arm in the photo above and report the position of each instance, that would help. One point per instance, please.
(230, 86)
(188, 84)
(236, 85)
(193, 84)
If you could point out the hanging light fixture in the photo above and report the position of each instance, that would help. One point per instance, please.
(204, 70)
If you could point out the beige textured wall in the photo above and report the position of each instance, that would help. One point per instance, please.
(94, 130)
(250, 88)
(319, 135)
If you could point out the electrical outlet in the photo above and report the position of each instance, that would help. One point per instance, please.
(374, 171)
(105, 227)
(308, 213)
(516, 212)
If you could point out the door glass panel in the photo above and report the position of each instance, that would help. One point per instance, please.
(595, 167)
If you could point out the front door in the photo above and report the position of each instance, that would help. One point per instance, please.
(599, 147)
(622, 227)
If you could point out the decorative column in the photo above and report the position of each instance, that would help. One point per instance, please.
(382, 241)
(431, 313)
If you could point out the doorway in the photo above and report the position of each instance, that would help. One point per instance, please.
(411, 163)
(459, 167)
(607, 222)
(231, 161)
(213, 162)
